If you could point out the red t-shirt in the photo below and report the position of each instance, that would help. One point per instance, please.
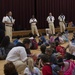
(61, 50)
(47, 70)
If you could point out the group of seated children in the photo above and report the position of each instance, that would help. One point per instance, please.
(61, 37)
(53, 60)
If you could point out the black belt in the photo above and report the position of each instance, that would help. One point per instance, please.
(61, 21)
(9, 25)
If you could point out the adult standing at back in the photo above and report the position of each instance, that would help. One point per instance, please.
(61, 19)
(9, 21)
(33, 22)
(50, 20)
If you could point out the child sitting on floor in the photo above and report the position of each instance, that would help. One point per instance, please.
(46, 69)
(42, 40)
(65, 35)
(60, 49)
(51, 38)
(31, 70)
(17, 40)
(34, 44)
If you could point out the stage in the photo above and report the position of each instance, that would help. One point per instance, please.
(26, 32)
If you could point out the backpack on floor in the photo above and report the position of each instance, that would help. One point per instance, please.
(71, 69)
(2, 53)
(34, 44)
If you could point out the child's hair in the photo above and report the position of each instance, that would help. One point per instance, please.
(30, 64)
(43, 48)
(26, 41)
(45, 58)
(9, 69)
(56, 43)
(53, 44)
(18, 37)
(42, 34)
(48, 51)
(30, 35)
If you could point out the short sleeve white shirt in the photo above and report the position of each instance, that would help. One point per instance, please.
(17, 53)
(48, 19)
(61, 18)
(9, 20)
(33, 21)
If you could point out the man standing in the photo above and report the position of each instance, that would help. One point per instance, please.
(61, 19)
(18, 55)
(9, 21)
(33, 22)
(50, 20)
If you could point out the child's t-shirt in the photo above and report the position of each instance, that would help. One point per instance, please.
(47, 70)
(43, 39)
(61, 50)
(51, 39)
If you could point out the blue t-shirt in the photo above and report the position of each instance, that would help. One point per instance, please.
(15, 41)
(43, 39)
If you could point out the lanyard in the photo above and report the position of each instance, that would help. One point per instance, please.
(50, 18)
(10, 18)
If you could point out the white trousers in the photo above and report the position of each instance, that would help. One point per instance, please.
(8, 32)
(62, 26)
(52, 28)
(34, 29)
(20, 66)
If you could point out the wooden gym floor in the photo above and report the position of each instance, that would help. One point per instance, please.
(2, 62)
